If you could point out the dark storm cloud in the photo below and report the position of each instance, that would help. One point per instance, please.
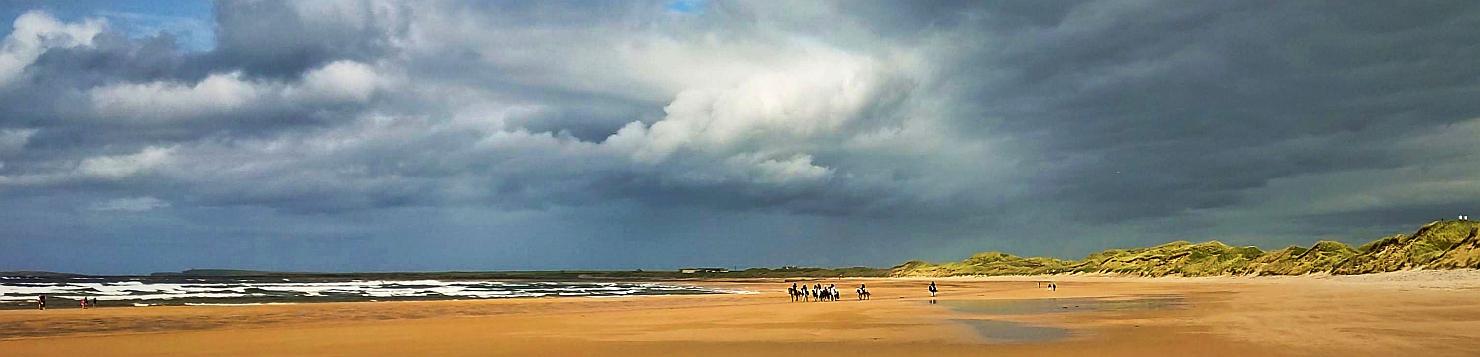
(1150, 108)
(57, 98)
(269, 39)
(951, 126)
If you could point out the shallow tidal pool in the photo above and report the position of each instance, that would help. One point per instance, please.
(1003, 331)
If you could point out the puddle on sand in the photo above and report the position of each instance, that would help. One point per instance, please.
(1041, 306)
(1014, 332)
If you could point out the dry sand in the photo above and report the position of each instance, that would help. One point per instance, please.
(1409, 313)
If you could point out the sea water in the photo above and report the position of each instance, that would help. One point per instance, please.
(148, 291)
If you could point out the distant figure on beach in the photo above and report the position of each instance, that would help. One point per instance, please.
(805, 296)
(41, 302)
(863, 292)
(1053, 286)
(82, 302)
(933, 289)
(94, 302)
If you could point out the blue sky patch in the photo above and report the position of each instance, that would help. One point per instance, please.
(687, 6)
(190, 21)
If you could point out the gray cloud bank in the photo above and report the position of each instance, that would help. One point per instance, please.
(381, 135)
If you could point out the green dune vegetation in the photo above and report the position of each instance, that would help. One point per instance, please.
(1448, 244)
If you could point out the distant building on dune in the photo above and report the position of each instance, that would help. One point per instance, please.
(1464, 217)
(703, 270)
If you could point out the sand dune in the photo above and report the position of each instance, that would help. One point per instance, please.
(1443, 244)
(1407, 313)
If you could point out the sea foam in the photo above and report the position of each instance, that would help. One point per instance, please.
(229, 291)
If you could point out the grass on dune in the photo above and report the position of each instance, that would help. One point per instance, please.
(1437, 245)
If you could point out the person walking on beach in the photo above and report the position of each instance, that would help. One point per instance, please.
(41, 302)
(82, 302)
(933, 289)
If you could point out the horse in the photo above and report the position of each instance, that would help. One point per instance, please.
(863, 294)
(792, 292)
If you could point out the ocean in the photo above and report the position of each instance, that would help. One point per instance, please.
(21, 292)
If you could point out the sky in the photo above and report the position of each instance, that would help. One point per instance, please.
(138, 137)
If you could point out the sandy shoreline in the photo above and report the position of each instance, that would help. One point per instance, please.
(1405, 313)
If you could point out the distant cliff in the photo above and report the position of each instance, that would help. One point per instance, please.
(1446, 244)
(37, 274)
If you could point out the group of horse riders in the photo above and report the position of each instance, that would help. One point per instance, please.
(822, 293)
(830, 292)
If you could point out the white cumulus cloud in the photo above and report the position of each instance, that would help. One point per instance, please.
(34, 33)
(217, 93)
(130, 204)
(339, 81)
(121, 166)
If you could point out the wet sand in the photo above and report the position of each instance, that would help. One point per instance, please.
(1433, 314)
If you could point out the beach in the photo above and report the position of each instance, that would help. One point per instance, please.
(1433, 313)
